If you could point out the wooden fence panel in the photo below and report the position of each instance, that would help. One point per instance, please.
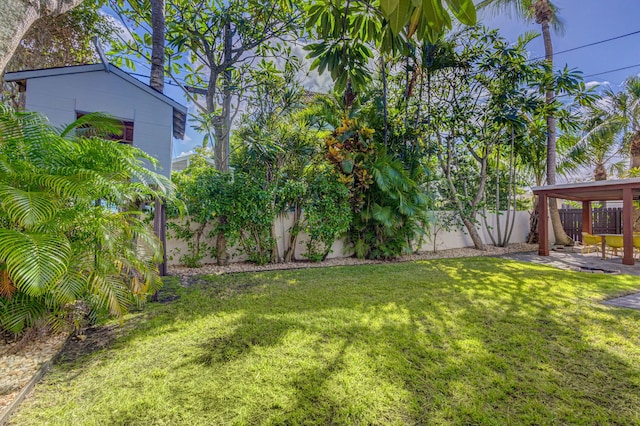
(605, 221)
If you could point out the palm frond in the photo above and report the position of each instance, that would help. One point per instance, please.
(99, 123)
(58, 243)
(33, 260)
(26, 208)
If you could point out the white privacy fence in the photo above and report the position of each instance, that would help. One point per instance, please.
(442, 240)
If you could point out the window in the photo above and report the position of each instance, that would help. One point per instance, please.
(127, 131)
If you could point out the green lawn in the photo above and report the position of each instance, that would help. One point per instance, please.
(460, 341)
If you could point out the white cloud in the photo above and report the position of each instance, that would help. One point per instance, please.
(594, 83)
(312, 81)
(186, 139)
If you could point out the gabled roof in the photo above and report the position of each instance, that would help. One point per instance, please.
(179, 110)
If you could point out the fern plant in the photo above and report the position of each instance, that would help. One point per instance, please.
(70, 229)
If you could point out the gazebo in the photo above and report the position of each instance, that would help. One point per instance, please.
(626, 190)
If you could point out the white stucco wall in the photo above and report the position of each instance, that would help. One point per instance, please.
(60, 96)
(444, 240)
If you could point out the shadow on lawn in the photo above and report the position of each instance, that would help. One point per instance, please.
(552, 357)
(253, 331)
(490, 346)
(487, 342)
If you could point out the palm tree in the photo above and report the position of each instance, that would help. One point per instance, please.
(544, 13)
(600, 147)
(622, 110)
(67, 230)
(157, 47)
(531, 156)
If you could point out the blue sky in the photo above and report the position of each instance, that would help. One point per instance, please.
(585, 21)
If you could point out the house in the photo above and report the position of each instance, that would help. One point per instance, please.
(182, 162)
(151, 119)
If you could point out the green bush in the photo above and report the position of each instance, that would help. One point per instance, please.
(209, 195)
(70, 229)
(327, 213)
(389, 208)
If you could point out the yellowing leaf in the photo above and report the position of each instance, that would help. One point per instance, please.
(6, 286)
(414, 21)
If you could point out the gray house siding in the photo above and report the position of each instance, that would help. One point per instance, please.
(60, 96)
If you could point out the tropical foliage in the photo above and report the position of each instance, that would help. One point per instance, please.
(71, 229)
(426, 130)
(388, 207)
(56, 41)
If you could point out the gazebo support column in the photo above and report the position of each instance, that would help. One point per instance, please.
(587, 221)
(543, 225)
(627, 226)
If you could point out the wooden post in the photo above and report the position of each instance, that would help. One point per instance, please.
(627, 226)
(160, 229)
(587, 221)
(543, 225)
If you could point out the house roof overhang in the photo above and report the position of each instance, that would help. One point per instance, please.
(606, 190)
(179, 110)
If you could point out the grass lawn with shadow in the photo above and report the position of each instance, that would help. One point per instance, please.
(457, 341)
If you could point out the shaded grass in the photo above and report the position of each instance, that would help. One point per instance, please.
(459, 341)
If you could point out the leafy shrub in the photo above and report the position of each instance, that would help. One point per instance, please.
(327, 214)
(206, 194)
(209, 195)
(389, 208)
(62, 239)
(252, 217)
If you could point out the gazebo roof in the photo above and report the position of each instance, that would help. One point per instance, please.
(605, 190)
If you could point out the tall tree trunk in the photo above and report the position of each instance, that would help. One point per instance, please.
(156, 81)
(18, 15)
(157, 51)
(600, 174)
(226, 100)
(532, 238)
(473, 233)
(222, 129)
(560, 235)
(385, 108)
(634, 150)
(222, 123)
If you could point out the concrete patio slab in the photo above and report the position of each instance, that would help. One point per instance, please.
(631, 301)
(575, 261)
(588, 263)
